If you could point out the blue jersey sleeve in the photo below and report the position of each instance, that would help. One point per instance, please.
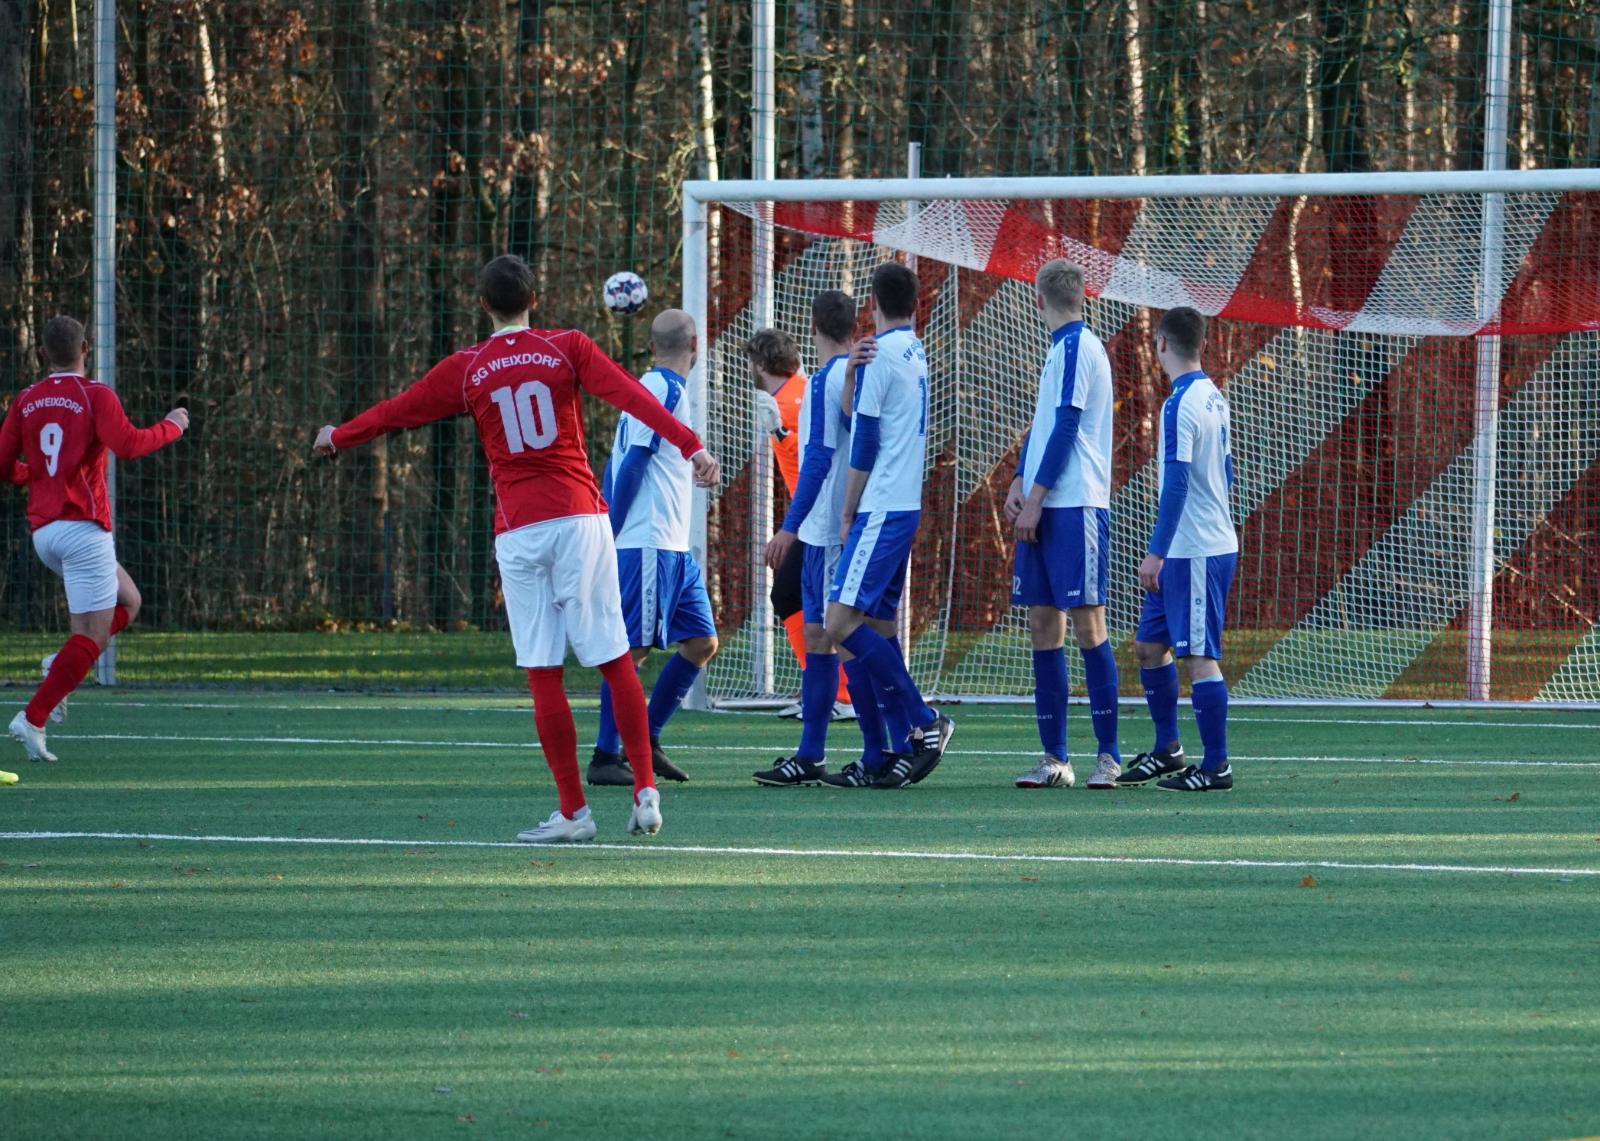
(1174, 494)
(813, 474)
(1058, 449)
(625, 481)
(864, 442)
(1022, 456)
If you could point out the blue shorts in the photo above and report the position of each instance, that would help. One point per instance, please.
(1069, 565)
(664, 597)
(872, 567)
(816, 576)
(1187, 612)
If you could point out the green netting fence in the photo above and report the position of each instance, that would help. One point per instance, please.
(304, 190)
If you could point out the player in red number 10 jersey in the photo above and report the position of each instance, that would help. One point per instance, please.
(558, 565)
(62, 427)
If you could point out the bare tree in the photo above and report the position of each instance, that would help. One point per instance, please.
(16, 182)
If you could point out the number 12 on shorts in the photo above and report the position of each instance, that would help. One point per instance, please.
(528, 415)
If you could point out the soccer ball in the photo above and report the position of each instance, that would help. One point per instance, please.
(625, 293)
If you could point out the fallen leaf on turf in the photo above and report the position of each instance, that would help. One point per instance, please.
(468, 1119)
(1030, 879)
(441, 1089)
(547, 1069)
(1309, 881)
(1514, 797)
(519, 1014)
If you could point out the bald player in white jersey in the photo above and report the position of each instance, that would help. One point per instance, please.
(1189, 568)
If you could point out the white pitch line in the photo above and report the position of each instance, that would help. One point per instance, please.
(993, 754)
(824, 853)
(985, 713)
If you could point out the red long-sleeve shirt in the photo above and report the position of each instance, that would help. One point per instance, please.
(61, 427)
(521, 387)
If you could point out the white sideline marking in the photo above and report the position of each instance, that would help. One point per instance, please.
(994, 754)
(820, 853)
(993, 713)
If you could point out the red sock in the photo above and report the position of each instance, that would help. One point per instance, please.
(66, 674)
(633, 719)
(552, 717)
(119, 620)
(795, 627)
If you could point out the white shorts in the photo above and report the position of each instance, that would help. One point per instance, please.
(85, 557)
(560, 582)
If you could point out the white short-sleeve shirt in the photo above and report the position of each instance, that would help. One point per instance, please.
(1195, 429)
(822, 422)
(1076, 372)
(894, 388)
(659, 514)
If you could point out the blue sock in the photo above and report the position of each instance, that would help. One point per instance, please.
(1100, 678)
(1161, 695)
(608, 740)
(903, 722)
(864, 696)
(895, 688)
(676, 680)
(1210, 699)
(1050, 700)
(819, 685)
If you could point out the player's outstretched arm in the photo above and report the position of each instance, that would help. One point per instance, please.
(116, 431)
(437, 396)
(608, 380)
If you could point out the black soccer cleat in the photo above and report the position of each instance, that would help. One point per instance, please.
(791, 772)
(930, 747)
(663, 767)
(1196, 779)
(609, 768)
(1148, 766)
(897, 773)
(853, 775)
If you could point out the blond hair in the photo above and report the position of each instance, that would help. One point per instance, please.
(1060, 285)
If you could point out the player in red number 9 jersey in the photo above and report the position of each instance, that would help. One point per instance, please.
(558, 565)
(62, 427)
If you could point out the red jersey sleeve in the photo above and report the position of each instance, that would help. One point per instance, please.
(113, 428)
(436, 396)
(608, 380)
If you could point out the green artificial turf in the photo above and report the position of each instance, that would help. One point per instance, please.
(200, 988)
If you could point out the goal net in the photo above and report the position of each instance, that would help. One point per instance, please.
(1415, 390)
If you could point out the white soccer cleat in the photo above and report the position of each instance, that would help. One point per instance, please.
(791, 712)
(1106, 771)
(1048, 773)
(561, 829)
(31, 736)
(646, 818)
(59, 713)
(843, 711)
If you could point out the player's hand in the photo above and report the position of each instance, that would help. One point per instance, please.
(1027, 521)
(707, 470)
(1150, 573)
(778, 548)
(324, 445)
(1014, 500)
(845, 523)
(862, 352)
(180, 417)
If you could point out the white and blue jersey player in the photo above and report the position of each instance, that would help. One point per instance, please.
(1189, 568)
(649, 490)
(813, 521)
(1060, 503)
(878, 523)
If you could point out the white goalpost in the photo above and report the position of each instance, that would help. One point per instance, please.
(1413, 362)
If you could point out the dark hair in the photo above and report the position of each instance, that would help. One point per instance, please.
(61, 341)
(506, 285)
(833, 314)
(773, 352)
(1185, 331)
(894, 288)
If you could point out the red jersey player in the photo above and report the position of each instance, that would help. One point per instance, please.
(558, 565)
(62, 427)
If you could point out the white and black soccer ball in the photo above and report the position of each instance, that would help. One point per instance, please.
(625, 293)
